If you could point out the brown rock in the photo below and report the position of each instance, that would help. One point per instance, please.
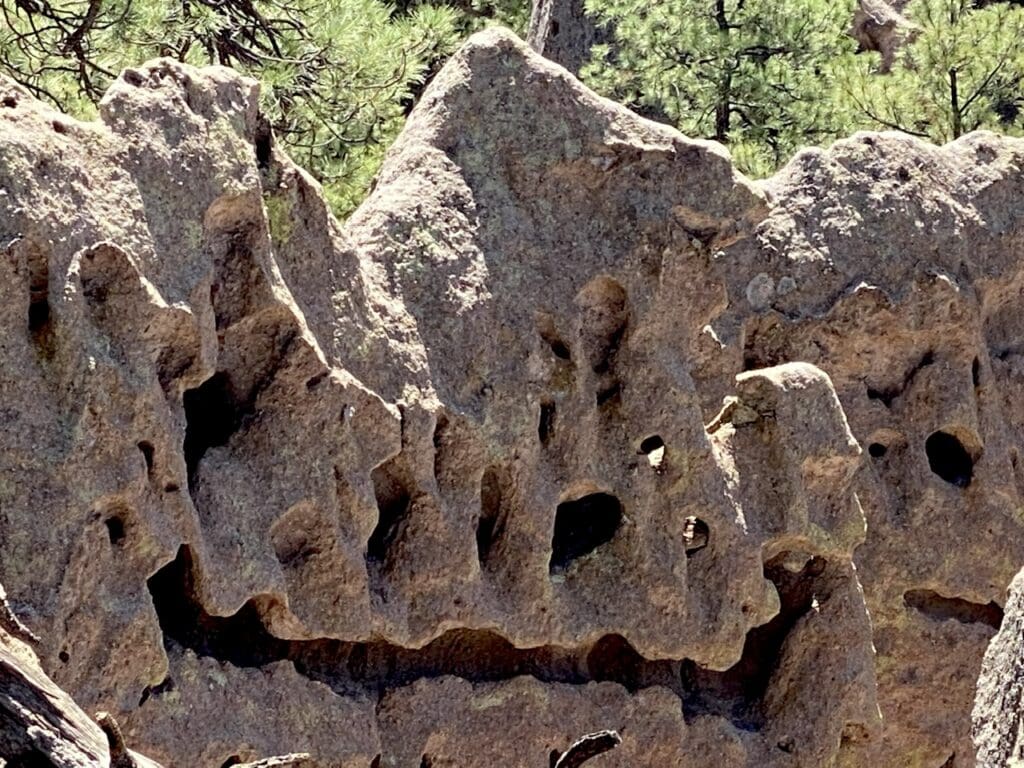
(999, 707)
(879, 25)
(561, 433)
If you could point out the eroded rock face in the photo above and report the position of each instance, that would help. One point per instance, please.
(570, 428)
(999, 707)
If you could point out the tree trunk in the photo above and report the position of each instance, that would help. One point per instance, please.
(561, 31)
(954, 103)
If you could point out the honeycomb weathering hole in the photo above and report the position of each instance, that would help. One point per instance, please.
(491, 523)
(695, 535)
(393, 501)
(211, 417)
(583, 525)
(948, 459)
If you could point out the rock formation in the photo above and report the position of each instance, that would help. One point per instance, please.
(880, 26)
(999, 706)
(570, 428)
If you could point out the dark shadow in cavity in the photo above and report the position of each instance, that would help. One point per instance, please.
(581, 526)
(490, 526)
(948, 459)
(394, 500)
(212, 415)
(939, 608)
(737, 692)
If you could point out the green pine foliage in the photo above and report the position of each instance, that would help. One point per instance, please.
(338, 76)
(962, 69)
(759, 75)
(767, 77)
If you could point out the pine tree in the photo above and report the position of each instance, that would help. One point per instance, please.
(758, 75)
(962, 70)
(338, 76)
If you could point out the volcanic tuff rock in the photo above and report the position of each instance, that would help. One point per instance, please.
(999, 706)
(561, 432)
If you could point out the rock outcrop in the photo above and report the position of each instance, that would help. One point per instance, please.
(570, 428)
(999, 706)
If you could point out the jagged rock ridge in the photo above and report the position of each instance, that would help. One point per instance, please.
(562, 432)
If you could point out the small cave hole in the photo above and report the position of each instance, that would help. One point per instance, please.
(613, 658)
(115, 530)
(976, 372)
(314, 381)
(546, 422)
(426, 762)
(38, 315)
(64, 657)
(393, 501)
(211, 417)
(553, 758)
(695, 535)
(171, 488)
(948, 459)
(9, 101)
(561, 349)
(375, 763)
(146, 448)
(40, 323)
(654, 448)
(233, 760)
(490, 525)
(548, 332)
(877, 450)
(581, 526)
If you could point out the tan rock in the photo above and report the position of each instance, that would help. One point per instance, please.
(570, 428)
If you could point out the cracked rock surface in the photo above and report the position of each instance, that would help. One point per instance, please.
(570, 428)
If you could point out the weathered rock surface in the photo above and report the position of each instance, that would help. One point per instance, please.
(999, 706)
(879, 25)
(562, 432)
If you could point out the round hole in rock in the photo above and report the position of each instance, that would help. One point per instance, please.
(695, 535)
(146, 448)
(654, 448)
(583, 525)
(877, 450)
(948, 459)
(115, 530)
(560, 349)
(64, 657)
(652, 443)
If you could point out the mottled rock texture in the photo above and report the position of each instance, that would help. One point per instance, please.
(571, 427)
(999, 706)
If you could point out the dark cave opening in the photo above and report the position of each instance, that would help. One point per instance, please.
(581, 526)
(490, 525)
(394, 500)
(212, 415)
(948, 459)
(939, 608)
